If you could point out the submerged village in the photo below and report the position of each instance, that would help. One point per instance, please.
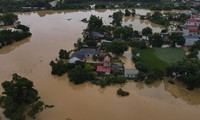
(96, 57)
(71, 61)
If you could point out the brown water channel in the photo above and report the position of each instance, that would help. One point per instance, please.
(52, 31)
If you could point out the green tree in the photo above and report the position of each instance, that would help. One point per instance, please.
(141, 76)
(127, 13)
(183, 17)
(122, 93)
(194, 50)
(20, 97)
(79, 44)
(77, 75)
(117, 18)
(141, 66)
(9, 18)
(187, 71)
(24, 28)
(123, 32)
(95, 23)
(81, 73)
(158, 18)
(118, 46)
(133, 12)
(156, 40)
(147, 31)
(59, 67)
(177, 38)
(154, 75)
(63, 54)
(157, 15)
(137, 44)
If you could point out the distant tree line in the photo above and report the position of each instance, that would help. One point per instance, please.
(16, 5)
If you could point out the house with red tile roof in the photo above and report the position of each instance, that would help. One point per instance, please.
(105, 68)
(191, 22)
(190, 30)
(196, 17)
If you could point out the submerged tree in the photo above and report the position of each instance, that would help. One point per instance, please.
(117, 18)
(19, 99)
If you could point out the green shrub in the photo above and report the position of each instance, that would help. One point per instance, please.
(122, 93)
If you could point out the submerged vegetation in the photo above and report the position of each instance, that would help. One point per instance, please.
(12, 35)
(122, 93)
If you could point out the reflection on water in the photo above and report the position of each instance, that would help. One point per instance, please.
(179, 91)
(53, 32)
(145, 11)
(9, 48)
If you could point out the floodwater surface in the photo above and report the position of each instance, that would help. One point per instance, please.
(55, 30)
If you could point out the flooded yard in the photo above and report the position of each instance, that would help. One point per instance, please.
(55, 30)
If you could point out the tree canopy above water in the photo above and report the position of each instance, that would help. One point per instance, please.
(18, 97)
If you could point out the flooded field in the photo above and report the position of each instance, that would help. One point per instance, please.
(55, 30)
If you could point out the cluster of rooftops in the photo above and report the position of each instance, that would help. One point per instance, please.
(106, 66)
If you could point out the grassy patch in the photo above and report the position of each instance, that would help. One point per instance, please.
(170, 55)
(161, 57)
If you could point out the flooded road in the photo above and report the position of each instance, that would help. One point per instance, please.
(126, 58)
(52, 31)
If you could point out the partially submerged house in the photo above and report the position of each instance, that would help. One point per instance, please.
(81, 54)
(130, 73)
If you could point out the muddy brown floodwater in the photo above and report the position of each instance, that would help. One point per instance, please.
(55, 30)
